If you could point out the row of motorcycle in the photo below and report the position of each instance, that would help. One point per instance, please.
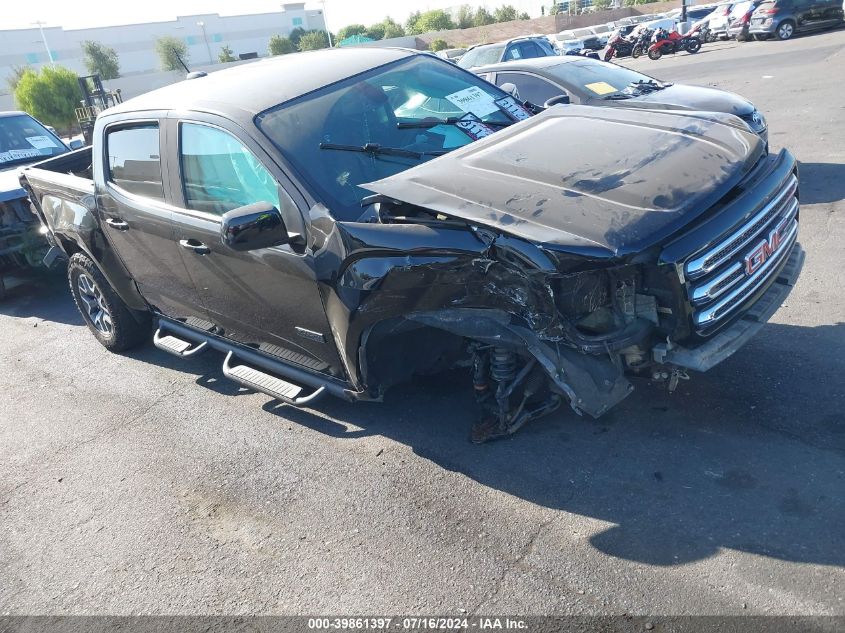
(656, 42)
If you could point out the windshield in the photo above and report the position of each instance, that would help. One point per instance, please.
(596, 80)
(481, 56)
(25, 140)
(403, 113)
(740, 9)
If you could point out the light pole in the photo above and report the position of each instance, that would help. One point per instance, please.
(40, 25)
(326, 23)
(201, 24)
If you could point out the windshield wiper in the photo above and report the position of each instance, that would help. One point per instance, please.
(375, 149)
(407, 125)
(646, 85)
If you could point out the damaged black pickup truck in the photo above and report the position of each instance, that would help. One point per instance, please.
(339, 221)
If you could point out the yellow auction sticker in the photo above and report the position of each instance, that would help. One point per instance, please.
(600, 88)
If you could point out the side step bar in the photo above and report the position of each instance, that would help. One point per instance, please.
(258, 366)
(271, 385)
(177, 346)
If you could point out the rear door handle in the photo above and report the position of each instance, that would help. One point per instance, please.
(117, 224)
(195, 245)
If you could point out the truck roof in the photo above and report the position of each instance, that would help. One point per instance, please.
(255, 87)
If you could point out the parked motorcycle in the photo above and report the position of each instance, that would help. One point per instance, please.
(642, 43)
(619, 46)
(664, 42)
(702, 31)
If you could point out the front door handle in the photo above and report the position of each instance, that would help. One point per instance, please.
(195, 245)
(117, 224)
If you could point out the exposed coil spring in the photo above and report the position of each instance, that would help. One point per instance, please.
(502, 364)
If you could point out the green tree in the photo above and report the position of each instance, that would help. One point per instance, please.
(465, 18)
(295, 35)
(392, 29)
(279, 45)
(51, 96)
(411, 23)
(313, 40)
(101, 60)
(438, 45)
(523, 16)
(483, 17)
(434, 20)
(505, 13)
(225, 55)
(374, 32)
(349, 31)
(170, 50)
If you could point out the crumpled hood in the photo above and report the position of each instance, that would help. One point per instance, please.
(594, 181)
(693, 98)
(10, 186)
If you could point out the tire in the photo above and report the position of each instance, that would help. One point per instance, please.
(608, 55)
(104, 312)
(636, 51)
(694, 45)
(655, 54)
(785, 30)
(760, 37)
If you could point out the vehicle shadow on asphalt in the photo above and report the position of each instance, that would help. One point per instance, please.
(822, 182)
(42, 294)
(747, 457)
(750, 456)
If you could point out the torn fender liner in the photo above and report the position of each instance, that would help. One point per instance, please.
(592, 383)
(597, 181)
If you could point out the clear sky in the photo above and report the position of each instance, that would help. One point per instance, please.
(84, 13)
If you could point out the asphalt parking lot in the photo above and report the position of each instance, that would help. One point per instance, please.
(149, 484)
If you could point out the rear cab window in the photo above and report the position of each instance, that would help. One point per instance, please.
(134, 160)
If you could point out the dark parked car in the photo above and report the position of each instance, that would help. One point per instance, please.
(343, 220)
(784, 18)
(598, 83)
(519, 48)
(23, 141)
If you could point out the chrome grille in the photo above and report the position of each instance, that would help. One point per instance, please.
(724, 275)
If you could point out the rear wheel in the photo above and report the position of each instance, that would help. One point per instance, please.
(655, 54)
(785, 30)
(106, 315)
(694, 45)
(608, 55)
(636, 51)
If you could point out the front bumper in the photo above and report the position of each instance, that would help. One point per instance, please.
(722, 345)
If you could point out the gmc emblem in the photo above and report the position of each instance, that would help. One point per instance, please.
(764, 250)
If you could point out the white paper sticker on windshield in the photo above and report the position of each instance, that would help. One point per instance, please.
(473, 100)
(41, 142)
(18, 154)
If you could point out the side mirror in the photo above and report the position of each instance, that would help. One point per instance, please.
(76, 144)
(254, 226)
(559, 99)
(511, 89)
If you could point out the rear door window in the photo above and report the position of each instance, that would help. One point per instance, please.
(134, 160)
(530, 50)
(531, 88)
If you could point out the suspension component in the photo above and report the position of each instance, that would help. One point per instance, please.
(502, 364)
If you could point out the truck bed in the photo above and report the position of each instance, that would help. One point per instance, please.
(62, 192)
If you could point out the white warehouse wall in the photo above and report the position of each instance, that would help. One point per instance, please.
(135, 43)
